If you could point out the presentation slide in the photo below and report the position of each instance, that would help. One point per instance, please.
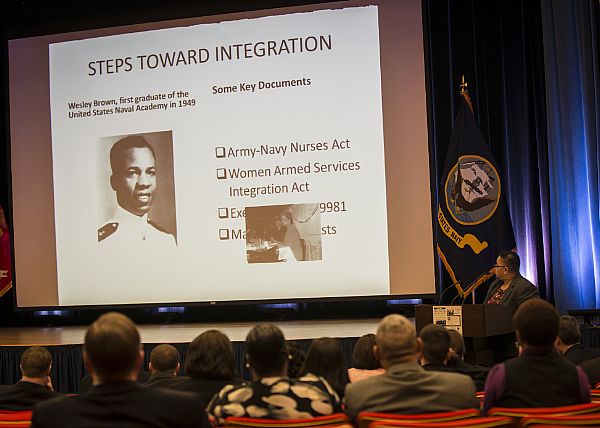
(243, 159)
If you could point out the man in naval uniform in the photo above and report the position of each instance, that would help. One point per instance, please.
(133, 178)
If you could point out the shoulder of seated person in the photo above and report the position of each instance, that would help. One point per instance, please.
(167, 392)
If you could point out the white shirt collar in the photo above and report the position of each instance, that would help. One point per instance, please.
(122, 216)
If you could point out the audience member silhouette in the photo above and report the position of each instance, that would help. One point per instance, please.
(436, 348)
(592, 370)
(364, 364)
(209, 365)
(163, 367)
(568, 342)
(325, 359)
(476, 372)
(271, 394)
(113, 355)
(296, 357)
(35, 385)
(406, 387)
(539, 377)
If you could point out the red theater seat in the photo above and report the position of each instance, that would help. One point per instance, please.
(592, 419)
(366, 418)
(486, 422)
(517, 413)
(330, 421)
(15, 418)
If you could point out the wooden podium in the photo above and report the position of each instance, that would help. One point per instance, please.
(488, 331)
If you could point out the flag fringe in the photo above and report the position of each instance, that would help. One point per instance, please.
(449, 269)
(5, 289)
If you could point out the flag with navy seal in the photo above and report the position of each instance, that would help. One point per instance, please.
(473, 221)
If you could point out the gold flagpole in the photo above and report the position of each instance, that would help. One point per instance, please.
(464, 91)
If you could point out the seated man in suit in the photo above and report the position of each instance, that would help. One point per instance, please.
(539, 377)
(35, 384)
(405, 387)
(113, 355)
(436, 348)
(86, 382)
(567, 342)
(163, 366)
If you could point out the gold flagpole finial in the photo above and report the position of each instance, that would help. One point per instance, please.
(463, 86)
(464, 91)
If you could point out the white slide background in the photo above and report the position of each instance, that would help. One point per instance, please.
(342, 102)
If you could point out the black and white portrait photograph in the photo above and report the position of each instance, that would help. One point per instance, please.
(136, 193)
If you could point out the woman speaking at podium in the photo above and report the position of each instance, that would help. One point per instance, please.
(509, 288)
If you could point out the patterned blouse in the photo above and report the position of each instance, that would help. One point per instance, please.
(276, 398)
(496, 297)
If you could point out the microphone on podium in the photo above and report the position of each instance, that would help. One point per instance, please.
(483, 277)
(454, 285)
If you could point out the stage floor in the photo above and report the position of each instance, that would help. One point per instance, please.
(185, 333)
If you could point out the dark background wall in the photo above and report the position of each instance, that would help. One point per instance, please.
(507, 50)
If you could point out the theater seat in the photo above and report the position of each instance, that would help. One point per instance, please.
(364, 419)
(591, 419)
(480, 396)
(330, 421)
(518, 413)
(15, 418)
(484, 422)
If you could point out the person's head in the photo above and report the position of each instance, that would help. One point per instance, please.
(457, 343)
(210, 356)
(266, 352)
(278, 222)
(436, 344)
(286, 218)
(362, 356)
(133, 177)
(297, 356)
(507, 265)
(568, 333)
(36, 363)
(396, 340)
(326, 359)
(164, 359)
(536, 322)
(112, 350)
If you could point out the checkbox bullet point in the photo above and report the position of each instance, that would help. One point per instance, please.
(221, 173)
(220, 152)
(223, 234)
(223, 213)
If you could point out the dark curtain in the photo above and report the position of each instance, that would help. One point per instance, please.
(502, 48)
(68, 370)
(67, 366)
(67, 361)
(571, 49)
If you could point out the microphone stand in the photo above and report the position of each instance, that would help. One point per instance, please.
(483, 277)
(455, 285)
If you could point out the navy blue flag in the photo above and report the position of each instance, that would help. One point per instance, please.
(473, 221)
